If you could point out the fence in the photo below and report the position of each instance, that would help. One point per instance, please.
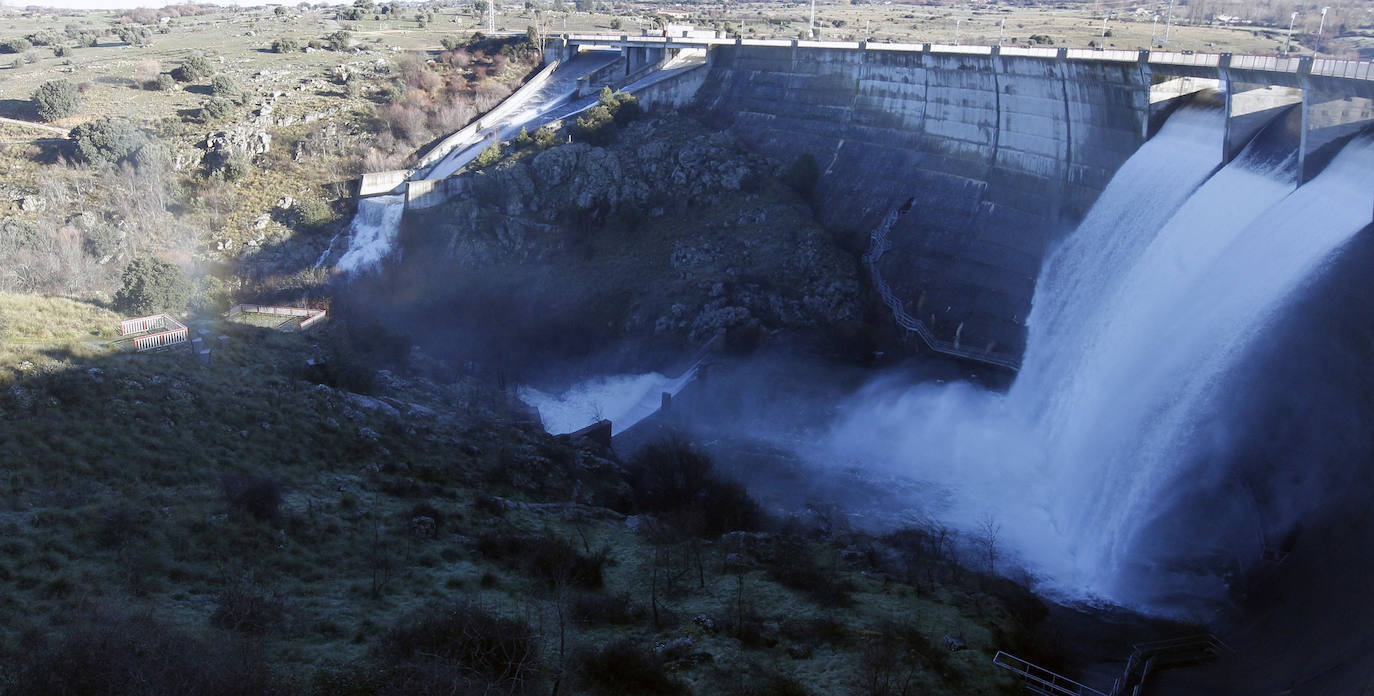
(170, 331)
(312, 316)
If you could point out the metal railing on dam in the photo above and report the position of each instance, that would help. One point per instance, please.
(1291, 65)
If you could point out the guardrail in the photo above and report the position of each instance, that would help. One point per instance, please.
(1326, 67)
(878, 244)
(1041, 680)
(1162, 654)
(312, 316)
(170, 331)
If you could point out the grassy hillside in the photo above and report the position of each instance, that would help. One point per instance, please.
(324, 535)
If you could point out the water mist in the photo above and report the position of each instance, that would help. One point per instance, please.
(1105, 464)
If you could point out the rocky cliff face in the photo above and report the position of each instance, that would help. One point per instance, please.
(671, 234)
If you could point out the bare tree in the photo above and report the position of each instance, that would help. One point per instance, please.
(988, 533)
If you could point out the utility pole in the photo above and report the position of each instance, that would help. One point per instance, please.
(1320, 27)
(1288, 41)
(491, 16)
(1169, 21)
(811, 28)
(1154, 31)
(1104, 27)
(957, 22)
(1002, 35)
(868, 29)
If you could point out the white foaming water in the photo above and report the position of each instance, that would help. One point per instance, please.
(372, 232)
(623, 399)
(1137, 319)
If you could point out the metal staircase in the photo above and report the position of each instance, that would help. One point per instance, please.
(1146, 658)
(1166, 654)
(878, 244)
(1041, 681)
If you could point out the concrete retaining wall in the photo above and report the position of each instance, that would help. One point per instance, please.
(378, 183)
(674, 92)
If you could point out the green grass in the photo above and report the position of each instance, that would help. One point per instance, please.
(112, 495)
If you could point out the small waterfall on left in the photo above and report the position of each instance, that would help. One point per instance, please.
(372, 234)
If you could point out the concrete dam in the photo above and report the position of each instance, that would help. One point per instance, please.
(1167, 247)
(1001, 151)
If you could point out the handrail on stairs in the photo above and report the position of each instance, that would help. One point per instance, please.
(1042, 680)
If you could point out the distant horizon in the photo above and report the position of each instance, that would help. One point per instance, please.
(131, 4)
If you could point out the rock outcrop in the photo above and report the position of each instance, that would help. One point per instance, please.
(672, 231)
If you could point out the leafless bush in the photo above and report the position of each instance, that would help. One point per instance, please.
(460, 648)
(488, 94)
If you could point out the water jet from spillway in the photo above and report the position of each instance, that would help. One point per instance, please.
(1095, 460)
(372, 233)
(622, 399)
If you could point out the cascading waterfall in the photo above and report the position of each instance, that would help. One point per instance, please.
(1110, 431)
(623, 399)
(372, 233)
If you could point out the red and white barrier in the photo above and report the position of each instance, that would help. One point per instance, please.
(312, 316)
(170, 331)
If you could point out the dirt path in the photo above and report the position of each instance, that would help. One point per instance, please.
(29, 124)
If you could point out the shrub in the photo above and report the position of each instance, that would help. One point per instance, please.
(107, 140)
(286, 44)
(546, 137)
(44, 38)
(152, 286)
(134, 36)
(279, 11)
(102, 242)
(488, 157)
(216, 109)
(164, 83)
(194, 69)
(623, 667)
(105, 656)
(234, 168)
(55, 99)
(315, 213)
(246, 608)
(340, 40)
(224, 86)
(459, 648)
(597, 609)
(450, 43)
(259, 496)
(674, 481)
(548, 558)
(22, 233)
(60, 51)
(599, 124)
(15, 45)
(791, 563)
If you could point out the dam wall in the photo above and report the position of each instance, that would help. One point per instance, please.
(1001, 154)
